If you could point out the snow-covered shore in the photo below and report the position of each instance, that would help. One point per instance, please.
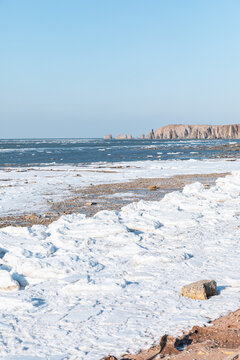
(24, 190)
(111, 283)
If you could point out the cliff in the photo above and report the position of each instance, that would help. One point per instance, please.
(196, 132)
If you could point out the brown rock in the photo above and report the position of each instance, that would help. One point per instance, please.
(200, 290)
(121, 137)
(31, 217)
(90, 203)
(151, 135)
(108, 137)
(152, 187)
(196, 132)
(167, 345)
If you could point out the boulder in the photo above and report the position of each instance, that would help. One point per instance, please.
(200, 290)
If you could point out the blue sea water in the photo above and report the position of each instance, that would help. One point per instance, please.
(42, 152)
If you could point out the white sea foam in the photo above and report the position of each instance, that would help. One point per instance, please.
(111, 283)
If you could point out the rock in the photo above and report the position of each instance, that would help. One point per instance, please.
(151, 135)
(90, 203)
(200, 290)
(110, 357)
(130, 137)
(167, 345)
(121, 137)
(142, 136)
(31, 217)
(152, 187)
(196, 132)
(108, 137)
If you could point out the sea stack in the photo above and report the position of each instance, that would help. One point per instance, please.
(108, 137)
(121, 137)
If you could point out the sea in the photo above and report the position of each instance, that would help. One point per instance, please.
(43, 152)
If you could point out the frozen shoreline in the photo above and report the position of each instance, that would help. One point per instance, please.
(111, 283)
(34, 189)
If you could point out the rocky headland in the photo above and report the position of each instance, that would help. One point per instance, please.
(196, 132)
(188, 132)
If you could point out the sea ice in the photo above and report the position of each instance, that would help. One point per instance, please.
(112, 283)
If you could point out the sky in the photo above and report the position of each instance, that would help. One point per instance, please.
(86, 68)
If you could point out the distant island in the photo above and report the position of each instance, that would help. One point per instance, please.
(188, 132)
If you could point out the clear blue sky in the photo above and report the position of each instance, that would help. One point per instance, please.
(84, 68)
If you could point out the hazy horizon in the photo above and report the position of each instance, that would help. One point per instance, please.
(83, 69)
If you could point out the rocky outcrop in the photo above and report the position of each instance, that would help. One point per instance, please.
(121, 137)
(108, 137)
(196, 132)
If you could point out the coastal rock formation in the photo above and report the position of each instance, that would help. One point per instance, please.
(121, 137)
(108, 137)
(196, 132)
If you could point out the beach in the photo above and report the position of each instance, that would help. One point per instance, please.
(119, 180)
(100, 253)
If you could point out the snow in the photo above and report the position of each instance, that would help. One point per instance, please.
(33, 189)
(6, 282)
(112, 283)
